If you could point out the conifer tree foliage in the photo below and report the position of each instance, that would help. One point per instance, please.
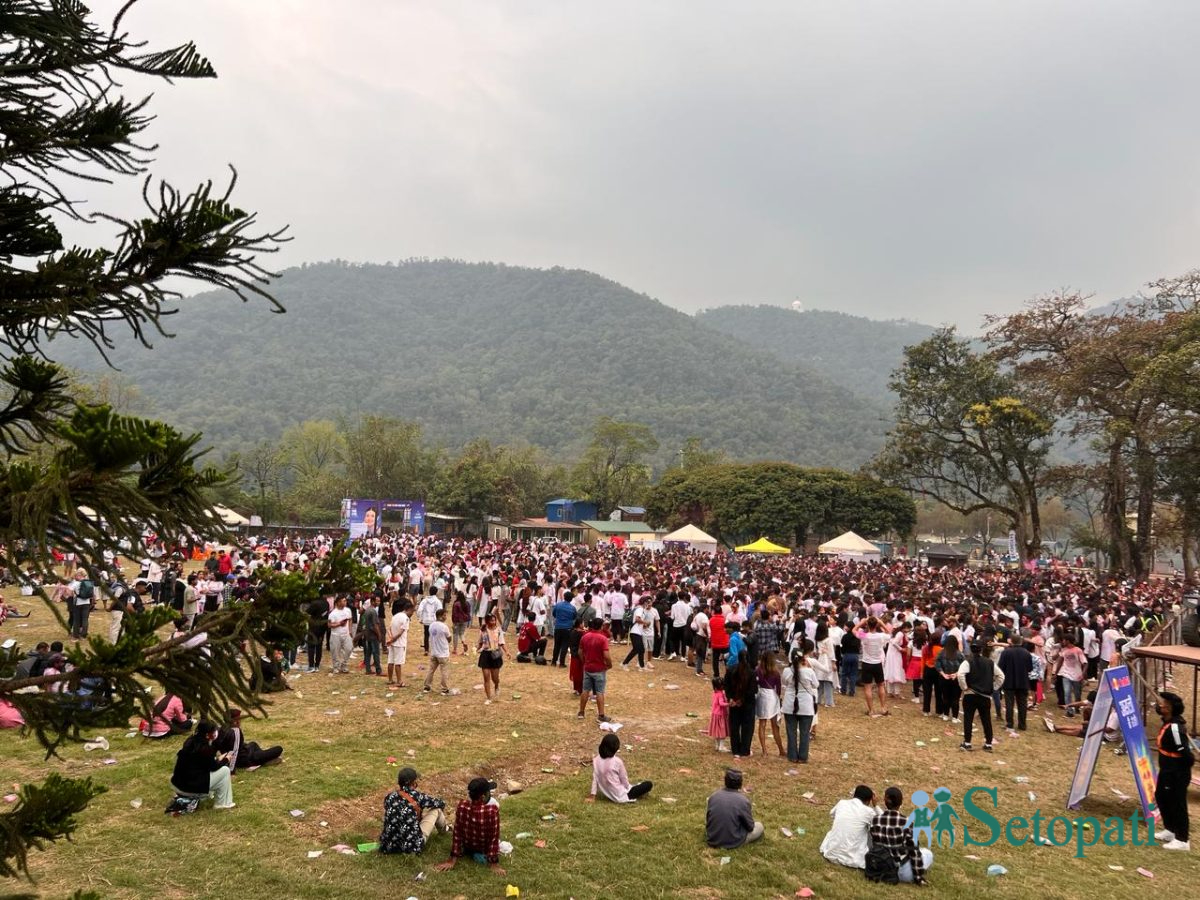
(81, 477)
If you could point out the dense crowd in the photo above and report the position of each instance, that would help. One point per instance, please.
(779, 638)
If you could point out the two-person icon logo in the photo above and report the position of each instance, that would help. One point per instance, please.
(923, 820)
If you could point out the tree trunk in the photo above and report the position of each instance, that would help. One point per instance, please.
(1112, 506)
(1145, 471)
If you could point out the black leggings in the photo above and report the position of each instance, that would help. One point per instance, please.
(641, 789)
(950, 694)
(316, 644)
(638, 649)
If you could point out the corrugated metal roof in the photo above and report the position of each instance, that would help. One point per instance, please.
(607, 526)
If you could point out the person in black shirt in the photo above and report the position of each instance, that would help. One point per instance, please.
(1175, 760)
(851, 649)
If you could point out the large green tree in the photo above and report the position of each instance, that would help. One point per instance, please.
(615, 467)
(63, 118)
(969, 435)
(781, 501)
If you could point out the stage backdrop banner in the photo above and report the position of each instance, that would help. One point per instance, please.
(364, 517)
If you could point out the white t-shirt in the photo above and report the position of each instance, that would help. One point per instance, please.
(337, 616)
(873, 645)
(617, 603)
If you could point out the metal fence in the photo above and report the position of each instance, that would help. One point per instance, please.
(1153, 675)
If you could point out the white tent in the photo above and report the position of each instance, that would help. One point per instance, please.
(693, 537)
(229, 516)
(850, 546)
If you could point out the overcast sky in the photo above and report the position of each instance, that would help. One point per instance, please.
(928, 160)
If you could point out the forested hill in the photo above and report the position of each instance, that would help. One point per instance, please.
(483, 350)
(858, 353)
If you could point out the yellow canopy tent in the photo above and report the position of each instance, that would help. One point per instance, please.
(762, 545)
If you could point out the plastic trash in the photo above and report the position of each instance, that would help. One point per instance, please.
(369, 847)
(920, 743)
(389, 712)
(1032, 797)
(1021, 779)
(110, 762)
(296, 813)
(726, 860)
(523, 835)
(805, 892)
(136, 802)
(333, 712)
(549, 817)
(541, 845)
(808, 795)
(614, 727)
(99, 743)
(669, 800)
(511, 890)
(1145, 872)
(313, 854)
(997, 870)
(786, 832)
(506, 848)
(1117, 868)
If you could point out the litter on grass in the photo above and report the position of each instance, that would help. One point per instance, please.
(997, 870)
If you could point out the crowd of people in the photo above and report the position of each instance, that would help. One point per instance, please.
(782, 640)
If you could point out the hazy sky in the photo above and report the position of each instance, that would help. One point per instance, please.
(928, 160)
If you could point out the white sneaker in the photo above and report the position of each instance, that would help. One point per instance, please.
(1164, 835)
(1177, 845)
(956, 721)
(945, 718)
(671, 657)
(624, 667)
(224, 805)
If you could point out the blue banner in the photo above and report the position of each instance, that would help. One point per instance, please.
(1120, 685)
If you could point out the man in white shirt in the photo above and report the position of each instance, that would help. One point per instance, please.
(427, 615)
(680, 610)
(700, 639)
(617, 604)
(339, 636)
(397, 644)
(849, 838)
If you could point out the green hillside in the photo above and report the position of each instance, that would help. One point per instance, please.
(857, 353)
(511, 354)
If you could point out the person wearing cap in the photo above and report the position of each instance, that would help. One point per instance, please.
(729, 822)
(410, 816)
(1175, 760)
(476, 828)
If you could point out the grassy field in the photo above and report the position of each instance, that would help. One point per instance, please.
(336, 771)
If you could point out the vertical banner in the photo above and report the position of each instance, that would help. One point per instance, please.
(1012, 544)
(1115, 693)
(1120, 686)
(1089, 752)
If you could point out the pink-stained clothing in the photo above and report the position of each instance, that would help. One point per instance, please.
(161, 724)
(718, 718)
(610, 779)
(10, 716)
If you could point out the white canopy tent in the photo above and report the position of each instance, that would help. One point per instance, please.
(851, 546)
(693, 537)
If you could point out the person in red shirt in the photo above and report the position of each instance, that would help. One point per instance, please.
(593, 650)
(718, 638)
(476, 828)
(531, 646)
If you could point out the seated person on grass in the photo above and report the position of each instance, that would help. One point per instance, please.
(729, 822)
(476, 828)
(410, 816)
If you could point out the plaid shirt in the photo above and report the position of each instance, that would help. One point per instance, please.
(477, 830)
(767, 635)
(890, 830)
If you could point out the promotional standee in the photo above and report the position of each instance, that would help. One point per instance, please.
(1115, 690)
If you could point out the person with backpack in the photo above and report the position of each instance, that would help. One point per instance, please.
(82, 601)
(894, 857)
(978, 677)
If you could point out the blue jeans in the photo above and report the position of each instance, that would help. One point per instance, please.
(825, 693)
(798, 729)
(1071, 692)
(371, 654)
(849, 673)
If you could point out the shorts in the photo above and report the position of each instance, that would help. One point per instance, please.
(872, 673)
(397, 654)
(593, 682)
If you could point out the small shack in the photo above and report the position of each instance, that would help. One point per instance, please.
(942, 555)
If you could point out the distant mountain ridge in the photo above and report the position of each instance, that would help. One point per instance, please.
(857, 353)
(485, 350)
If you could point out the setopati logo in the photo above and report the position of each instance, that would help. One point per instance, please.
(936, 819)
